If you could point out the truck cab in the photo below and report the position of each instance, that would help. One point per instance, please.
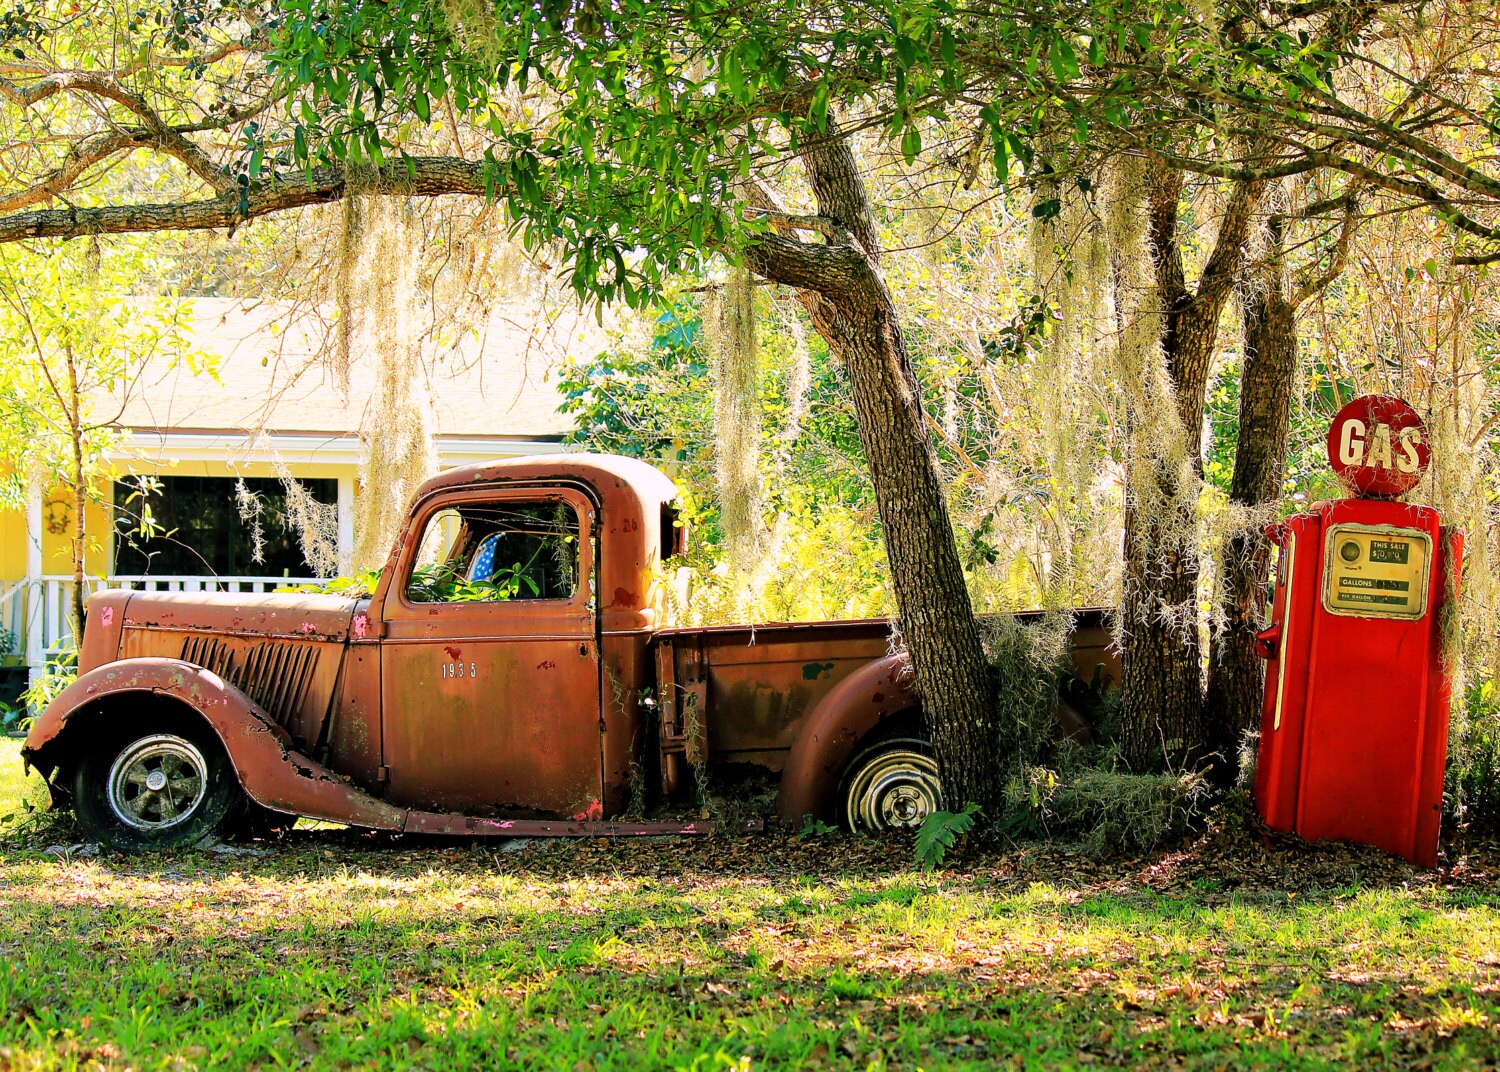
(519, 597)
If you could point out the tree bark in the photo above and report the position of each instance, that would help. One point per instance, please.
(1236, 673)
(841, 287)
(1161, 675)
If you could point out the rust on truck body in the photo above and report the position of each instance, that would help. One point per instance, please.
(285, 652)
(472, 694)
(509, 690)
(271, 771)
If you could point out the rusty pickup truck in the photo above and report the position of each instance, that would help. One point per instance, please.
(507, 676)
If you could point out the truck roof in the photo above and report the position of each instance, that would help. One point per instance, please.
(647, 483)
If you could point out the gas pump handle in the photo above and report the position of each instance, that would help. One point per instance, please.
(1267, 641)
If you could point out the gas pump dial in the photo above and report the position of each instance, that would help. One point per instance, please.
(1377, 572)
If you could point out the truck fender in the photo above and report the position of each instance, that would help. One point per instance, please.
(269, 770)
(826, 742)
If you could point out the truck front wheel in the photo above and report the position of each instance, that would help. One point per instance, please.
(890, 785)
(155, 790)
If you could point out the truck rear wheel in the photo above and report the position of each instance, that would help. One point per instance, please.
(891, 785)
(159, 789)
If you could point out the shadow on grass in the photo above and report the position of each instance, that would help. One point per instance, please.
(435, 957)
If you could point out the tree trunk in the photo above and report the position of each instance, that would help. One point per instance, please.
(1236, 673)
(1161, 665)
(841, 287)
(80, 592)
(80, 500)
(1160, 675)
(937, 619)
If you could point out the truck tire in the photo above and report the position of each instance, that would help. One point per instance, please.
(891, 785)
(161, 788)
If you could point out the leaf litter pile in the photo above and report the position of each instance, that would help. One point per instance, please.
(332, 950)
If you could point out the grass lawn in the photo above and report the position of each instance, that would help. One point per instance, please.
(332, 950)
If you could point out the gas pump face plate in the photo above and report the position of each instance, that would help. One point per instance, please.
(1376, 571)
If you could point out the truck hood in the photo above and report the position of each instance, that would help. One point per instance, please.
(270, 614)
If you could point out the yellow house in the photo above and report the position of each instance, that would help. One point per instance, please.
(275, 406)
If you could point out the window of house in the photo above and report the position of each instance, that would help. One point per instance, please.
(198, 527)
(494, 552)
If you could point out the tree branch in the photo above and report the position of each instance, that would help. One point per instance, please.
(164, 137)
(415, 177)
(838, 186)
(80, 158)
(834, 269)
(1306, 287)
(1312, 159)
(1223, 264)
(790, 221)
(194, 59)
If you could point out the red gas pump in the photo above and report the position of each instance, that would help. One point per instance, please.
(1354, 732)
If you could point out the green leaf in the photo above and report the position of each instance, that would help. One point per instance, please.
(911, 144)
(1064, 60)
(818, 112)
(1048, 209)
(422, 106)
(939, 832)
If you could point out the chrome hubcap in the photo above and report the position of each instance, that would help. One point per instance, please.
(157, 782)
(899, 788)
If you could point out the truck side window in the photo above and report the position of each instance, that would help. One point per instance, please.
(495, 552)
(673, 532)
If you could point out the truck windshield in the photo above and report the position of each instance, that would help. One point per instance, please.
(494, 552)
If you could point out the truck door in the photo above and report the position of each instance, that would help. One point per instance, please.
(490, 684)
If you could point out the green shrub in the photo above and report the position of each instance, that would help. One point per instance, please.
(60, 672)
(813, 828)
(360, 584)
(1088, 801)
(1061, 790)
(1472, 789)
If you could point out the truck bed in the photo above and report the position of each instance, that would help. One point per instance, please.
(743, 691)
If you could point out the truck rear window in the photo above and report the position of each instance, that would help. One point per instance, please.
(497, 552)
(674, 533)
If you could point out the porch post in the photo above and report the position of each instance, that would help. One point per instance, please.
(346, 524)
(34, 605)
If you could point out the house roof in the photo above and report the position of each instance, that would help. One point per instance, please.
(272, 376)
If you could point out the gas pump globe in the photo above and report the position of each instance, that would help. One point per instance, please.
(1354, 732)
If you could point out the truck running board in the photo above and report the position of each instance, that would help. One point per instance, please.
(426, 822)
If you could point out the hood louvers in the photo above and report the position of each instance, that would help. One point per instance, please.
(275, 674)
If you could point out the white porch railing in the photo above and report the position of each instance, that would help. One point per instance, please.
(38, 612)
